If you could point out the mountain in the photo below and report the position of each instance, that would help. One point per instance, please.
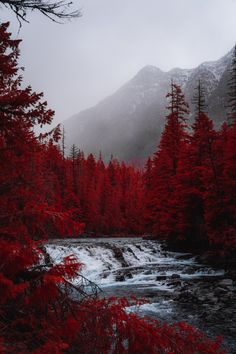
(128, 124)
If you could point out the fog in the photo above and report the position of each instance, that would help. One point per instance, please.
(81, 62)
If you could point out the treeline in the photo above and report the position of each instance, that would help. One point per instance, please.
(108, 199)
(186, 193)
(190, 182)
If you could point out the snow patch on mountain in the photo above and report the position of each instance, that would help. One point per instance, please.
(128, 123)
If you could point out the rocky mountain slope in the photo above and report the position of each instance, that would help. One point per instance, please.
(128, 124)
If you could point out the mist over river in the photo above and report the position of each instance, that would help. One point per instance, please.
(176, 286)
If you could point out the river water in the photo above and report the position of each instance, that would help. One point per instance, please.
(176, 286)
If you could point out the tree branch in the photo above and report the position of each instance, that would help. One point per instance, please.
(56, 10)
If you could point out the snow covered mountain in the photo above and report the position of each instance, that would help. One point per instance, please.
(128, 123)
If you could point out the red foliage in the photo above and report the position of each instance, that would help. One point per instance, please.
(190, 183)
(109, 199)
(38, 197)
(162, 173)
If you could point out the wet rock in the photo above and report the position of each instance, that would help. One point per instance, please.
(118, 254)
(129, 275)
(202, 299)
(132, 252)
(185, 256)
(161, 277)
(231, 288)
(213, 299)
(175, 276)
(175, 282)
(220, 291)
(226, 282)
(187, 294)
(120, 278)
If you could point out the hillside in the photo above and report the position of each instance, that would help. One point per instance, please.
(128, 123)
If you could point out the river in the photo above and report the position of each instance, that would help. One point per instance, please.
(176, 286)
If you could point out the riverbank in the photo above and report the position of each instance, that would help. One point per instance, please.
(214, 257)
(177, 286)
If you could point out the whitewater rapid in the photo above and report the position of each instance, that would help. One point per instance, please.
(176, 286)
(113, 262)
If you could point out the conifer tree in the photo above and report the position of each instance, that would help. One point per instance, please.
(177, 104)
(165, 164)
(199, 99)
(74, 152)
(63, 139)
(196, 175)
(27, 213)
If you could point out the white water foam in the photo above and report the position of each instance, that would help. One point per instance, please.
(119, 262)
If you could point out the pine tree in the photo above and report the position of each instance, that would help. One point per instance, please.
(27, 214)
(177, 105)
(74, 153)
(199, 99)
(63, 138)
(196, 175)
(165, 163)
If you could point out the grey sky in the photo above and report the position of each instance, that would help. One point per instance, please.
(79, 63)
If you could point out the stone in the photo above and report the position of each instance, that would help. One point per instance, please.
(175, 276)
(160, 277)
(231, 288)
(129, 275)
(220, 290)
(120, 277)
(213, 299)
(202, 299)
(226, 282)
(175, 282)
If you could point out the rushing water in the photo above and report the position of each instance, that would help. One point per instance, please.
(175, 284)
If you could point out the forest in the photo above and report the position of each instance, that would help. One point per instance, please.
(185, 193)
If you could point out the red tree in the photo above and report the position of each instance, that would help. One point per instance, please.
(197, 174)
(165, 163)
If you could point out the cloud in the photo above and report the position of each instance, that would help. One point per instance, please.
(79, 63)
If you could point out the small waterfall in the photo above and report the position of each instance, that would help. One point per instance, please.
(176, 286)
(114, 262)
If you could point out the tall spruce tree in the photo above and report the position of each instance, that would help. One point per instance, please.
(199, 99)
(165, 163)
(74, 153)
(177, 104)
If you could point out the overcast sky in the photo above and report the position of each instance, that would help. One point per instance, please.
(79, 63)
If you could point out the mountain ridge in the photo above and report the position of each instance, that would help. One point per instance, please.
(128, 123)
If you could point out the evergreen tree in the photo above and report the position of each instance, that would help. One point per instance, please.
(177, 104)
(63, 138)
(199, 99)
(74, 152)
(165, 164)
(27, 214)
(196, 175)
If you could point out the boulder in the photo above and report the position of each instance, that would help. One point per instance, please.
(226, 282)
(175, 276)
(120, 277)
